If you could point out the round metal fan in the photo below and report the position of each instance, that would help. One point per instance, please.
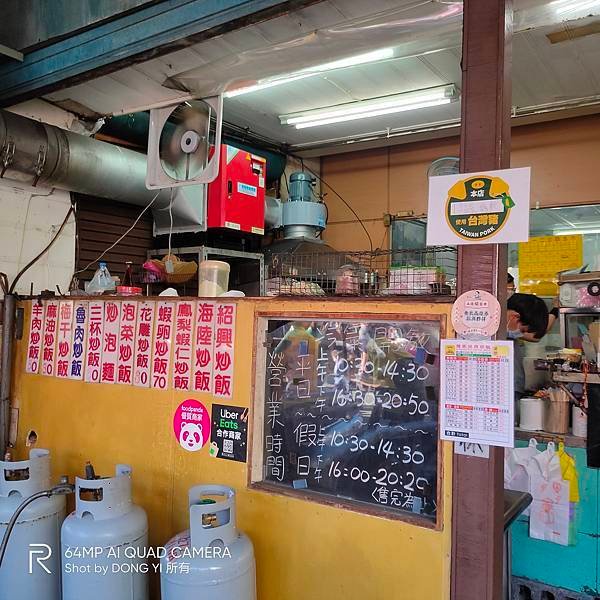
(447, 165)
(184, 140)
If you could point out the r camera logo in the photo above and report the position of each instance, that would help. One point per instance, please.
(42, 553)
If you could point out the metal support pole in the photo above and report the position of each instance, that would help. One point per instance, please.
(8, 335)
(477, 501)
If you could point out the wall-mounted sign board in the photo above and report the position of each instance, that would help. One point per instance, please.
(542, 258)
(479, 208)
(477, 392)
(185, 345)
(346, 410)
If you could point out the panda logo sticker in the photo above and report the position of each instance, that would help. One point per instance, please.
(477, 208)
(191, 425)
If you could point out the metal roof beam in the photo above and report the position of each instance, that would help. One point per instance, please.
(150, 32)
(15, 54)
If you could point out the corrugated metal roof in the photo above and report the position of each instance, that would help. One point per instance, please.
(426, 38)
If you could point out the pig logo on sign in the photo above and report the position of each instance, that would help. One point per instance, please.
(190, 436)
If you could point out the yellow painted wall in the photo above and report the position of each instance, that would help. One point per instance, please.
(304, 550)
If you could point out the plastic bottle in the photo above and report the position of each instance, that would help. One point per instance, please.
(128, 277)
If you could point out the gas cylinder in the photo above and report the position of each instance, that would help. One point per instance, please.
(212, 560)
(104, 542)
(31, 566)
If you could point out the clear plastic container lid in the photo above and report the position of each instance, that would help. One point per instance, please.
(214, 264)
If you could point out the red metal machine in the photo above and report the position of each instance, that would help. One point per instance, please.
(236, 198)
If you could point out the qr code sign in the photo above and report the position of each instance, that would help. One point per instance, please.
(228, 446)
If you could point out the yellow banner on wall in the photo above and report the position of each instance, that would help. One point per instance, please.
(542, 258)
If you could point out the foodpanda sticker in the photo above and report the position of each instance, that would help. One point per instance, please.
(490, 207)
(191, 425)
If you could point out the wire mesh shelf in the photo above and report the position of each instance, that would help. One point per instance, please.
(427, 272)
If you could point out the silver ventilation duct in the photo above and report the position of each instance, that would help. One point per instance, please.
(36, 153)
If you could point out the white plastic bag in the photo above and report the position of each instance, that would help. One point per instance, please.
(550, 510)
(101, 281)
(517, 466)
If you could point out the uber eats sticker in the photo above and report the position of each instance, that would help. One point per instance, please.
(479, 208)
(229, 432)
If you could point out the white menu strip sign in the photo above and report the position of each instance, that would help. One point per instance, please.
(204, 346)
(110, 345)
(80, 328)
(93, 360)
(64, 338)
(161, 352)
(126, 342)
(49, 347)
(224, 342)
(182, 349)
(34, 344)
(143, 344)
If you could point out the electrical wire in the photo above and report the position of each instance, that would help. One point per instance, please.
(98, 258)
(385, 234)
(50, 244)
(344, 201)
(287, 187)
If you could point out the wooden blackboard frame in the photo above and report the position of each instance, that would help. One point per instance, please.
(255, 435)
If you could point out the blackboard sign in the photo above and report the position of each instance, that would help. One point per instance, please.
(351, 411)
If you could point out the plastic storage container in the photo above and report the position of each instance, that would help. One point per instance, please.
(219, 559)
(38, 524)
(104, 542)
(213, 278)
(531, 414)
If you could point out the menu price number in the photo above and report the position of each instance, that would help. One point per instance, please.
(383, 477)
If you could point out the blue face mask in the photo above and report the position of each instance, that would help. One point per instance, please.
(514, 334)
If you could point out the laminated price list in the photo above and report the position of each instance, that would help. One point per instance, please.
(477, 392)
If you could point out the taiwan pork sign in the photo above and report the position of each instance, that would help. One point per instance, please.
(479, 208)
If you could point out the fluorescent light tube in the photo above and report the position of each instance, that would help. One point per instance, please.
(373, 107)
(351, 61)
(576, 231)
(565, 6)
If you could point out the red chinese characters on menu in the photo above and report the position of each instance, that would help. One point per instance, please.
(223, 351)
(49, 338)
(93, 359)
(143, 344)
(204, 346)
(126, 342)
(34, 344)
(64, 338)
(182, 348)
(161, 352)
(110, 343)
(80, 328)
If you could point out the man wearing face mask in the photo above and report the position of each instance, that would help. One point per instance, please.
(527, 318)
(510, 286)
